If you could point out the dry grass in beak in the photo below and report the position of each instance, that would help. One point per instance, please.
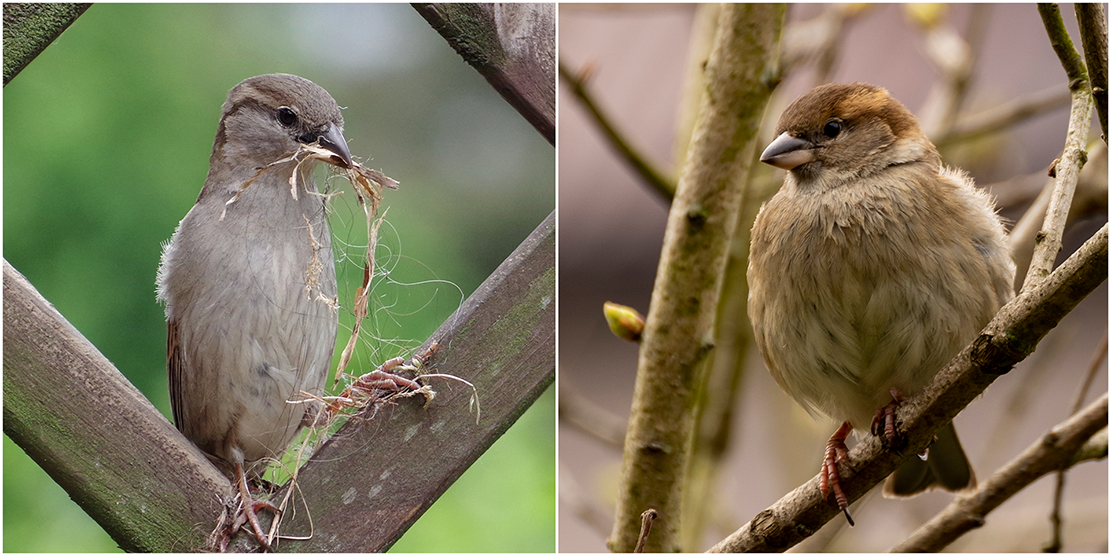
(368, 183)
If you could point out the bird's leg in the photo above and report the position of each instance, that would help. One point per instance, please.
(830, 479)
(884, 420)
(249, 506)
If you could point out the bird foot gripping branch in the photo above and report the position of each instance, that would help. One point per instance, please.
(240, 510)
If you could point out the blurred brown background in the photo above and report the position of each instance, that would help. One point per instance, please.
(611, 226)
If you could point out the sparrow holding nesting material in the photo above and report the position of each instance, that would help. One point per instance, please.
(249, 282)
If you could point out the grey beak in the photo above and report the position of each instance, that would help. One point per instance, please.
(332, 139)
(788, 152)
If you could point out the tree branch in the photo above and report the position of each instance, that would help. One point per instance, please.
(643, 168)
(1011, 336)
(679, 329)
(1062, 44)
(1092, 19)
(1048, 241)
(1059, 486)
(1053, 451)
(590, 419)
(953, 55)
(1089, 200)
(1002, 116)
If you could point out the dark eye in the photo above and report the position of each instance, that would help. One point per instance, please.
(286, 116)
(832, 128)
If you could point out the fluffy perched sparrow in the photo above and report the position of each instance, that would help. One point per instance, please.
(869, 270)
(249, 282)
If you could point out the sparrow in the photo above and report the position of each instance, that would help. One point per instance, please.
(869, 270)
(249, 283)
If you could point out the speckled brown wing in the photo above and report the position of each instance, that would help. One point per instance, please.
(175, 364)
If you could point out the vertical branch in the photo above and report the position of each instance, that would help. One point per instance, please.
(703, 33)
(1074, 155)
(680, 325)
(1059, 488)
(1092, 19)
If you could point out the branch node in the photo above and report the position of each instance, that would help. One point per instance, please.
(697, 216)
(763, 522)
(986, 354)
(766, 527)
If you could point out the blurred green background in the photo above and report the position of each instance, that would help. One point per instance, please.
(106, 142)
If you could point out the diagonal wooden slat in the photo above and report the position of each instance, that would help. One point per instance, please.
(152, 490)
(96, 435)
(512, 46)
(30, 28)
(368, 484)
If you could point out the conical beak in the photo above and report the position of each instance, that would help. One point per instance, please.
(332, 140)
(788, 152)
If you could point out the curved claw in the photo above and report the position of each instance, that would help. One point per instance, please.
(248, 509)
(829, 480)
(883, 422)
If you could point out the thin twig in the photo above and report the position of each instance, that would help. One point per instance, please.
(576, 499)
(646, 519)
(1092, 20)
(1059, 490)
(1054, 450)
(997, 118)
(954, 57)
(1089, 200)
(819, 39)
(645, 169)
(1093, 368)
(1074, 155)
(1061, 42)
(578, 411)
(833, 24)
